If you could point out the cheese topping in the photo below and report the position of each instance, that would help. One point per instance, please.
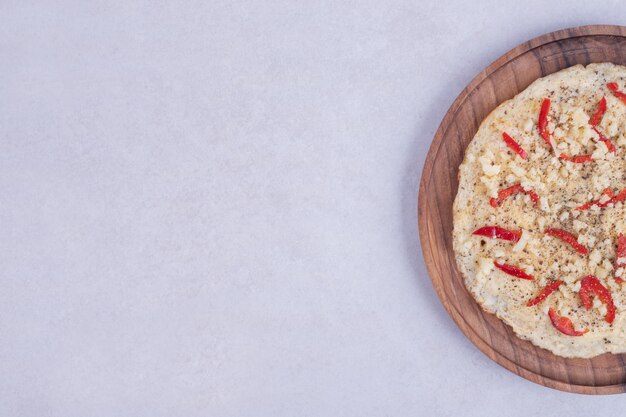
(562, 186)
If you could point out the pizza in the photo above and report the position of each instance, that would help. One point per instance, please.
(540, 213)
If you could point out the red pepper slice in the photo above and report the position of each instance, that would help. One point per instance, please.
(514, 271)
(621, 196)
(564, 325)
(618, 198)
(597, 117)
(544, 293)
(568, 238)
(542, 125)
(608, 192)
(514, 189)
(497, 232)
(586, 206)
(609, 143)
(595, 121)
(511, 143)
(620, 253)
(615, 90)
(578, 159)
(591, 286)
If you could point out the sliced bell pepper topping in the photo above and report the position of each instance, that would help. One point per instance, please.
(621, 196)
(620, 253)
(578, 159)
(513, 270)
(542, 125)
(615, 90)
(511, 143)
(607, 191)
(591, 286)
(568, 238)
(497, 232)
(544, 293)
(514, 189)
(608, 142)
(597, 116)
(595, 121)
(564, 324)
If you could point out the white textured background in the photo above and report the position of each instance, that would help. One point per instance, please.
(209, 208)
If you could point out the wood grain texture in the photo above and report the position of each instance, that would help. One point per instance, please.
(503, 79)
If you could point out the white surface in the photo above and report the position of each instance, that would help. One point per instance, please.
(209, 209)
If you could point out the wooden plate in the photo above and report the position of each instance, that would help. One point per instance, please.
(500, 81)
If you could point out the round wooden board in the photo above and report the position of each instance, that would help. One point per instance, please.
(503, 79)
